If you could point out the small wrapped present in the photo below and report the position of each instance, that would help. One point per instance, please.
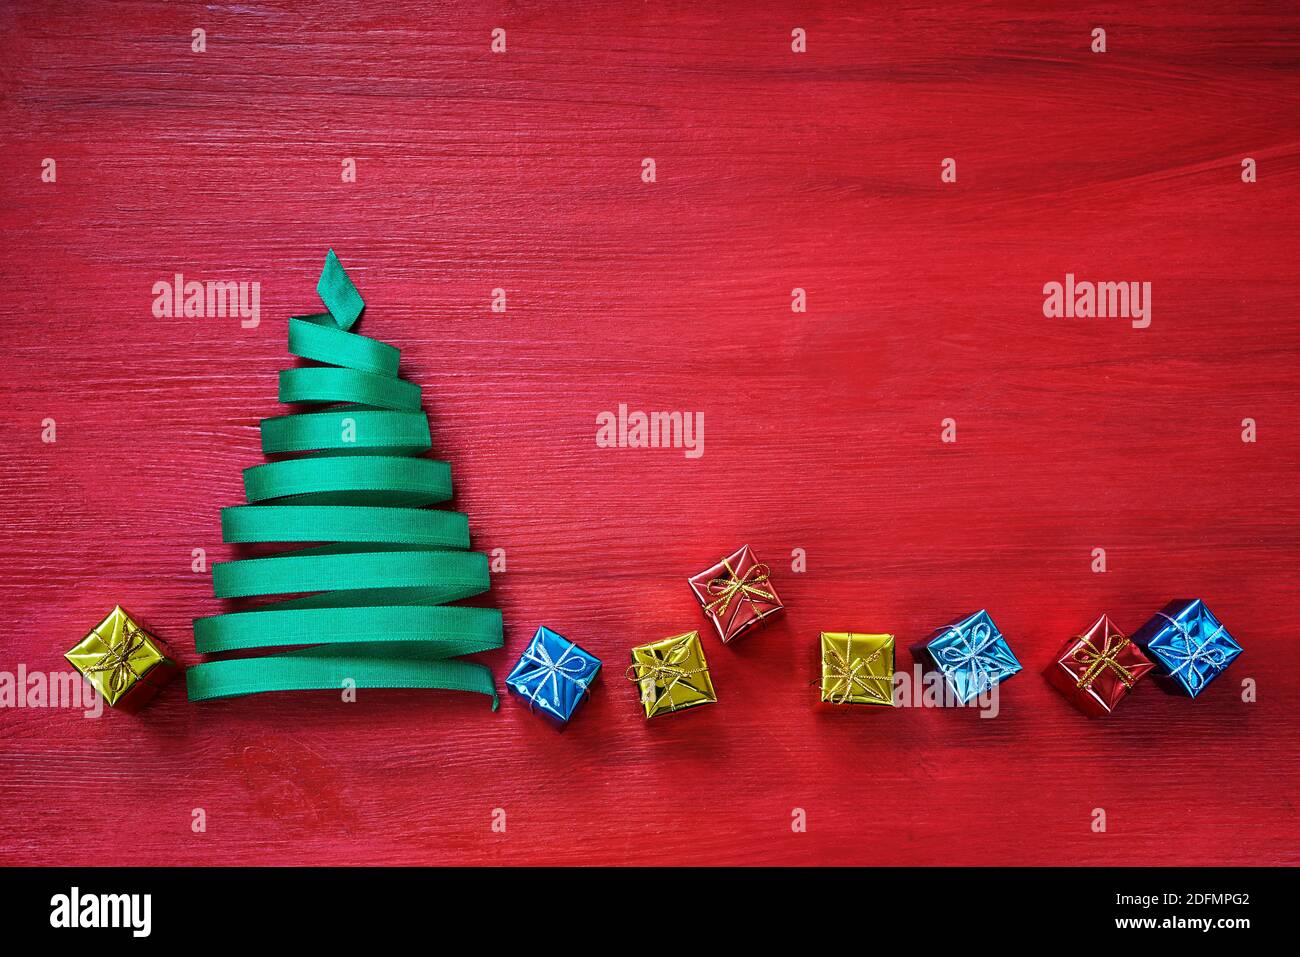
(857, 669)
(972, 655)
(125, 663)
(1096, 669)
(672, 674)
(736, 594)
(1189, 646)
(553, 675)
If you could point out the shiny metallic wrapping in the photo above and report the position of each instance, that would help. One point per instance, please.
(1188, 645)
(857, 668)
(1097, 669)
(553, 675)
(672, 674)
(736, 594)
(972, 655)
(125, 663)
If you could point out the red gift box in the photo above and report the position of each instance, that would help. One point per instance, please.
(736, 594)
(1097, 669)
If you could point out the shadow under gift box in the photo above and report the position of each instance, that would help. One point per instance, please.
(1096, 670)
(1188, 646)
(963, 649)
(554, 676)
(736, 594)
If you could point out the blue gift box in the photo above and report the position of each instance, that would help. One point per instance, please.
(553, 675)
(972, 655)
(1188, 645)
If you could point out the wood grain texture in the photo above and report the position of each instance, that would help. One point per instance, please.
(775, 170)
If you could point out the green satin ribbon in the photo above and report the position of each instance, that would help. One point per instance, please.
(399, 432)
(319, 339)
(344, 523)
(322, 384)
(366, 666)
(374, 613)
(457, 574)
(455, 629)
(415, 481)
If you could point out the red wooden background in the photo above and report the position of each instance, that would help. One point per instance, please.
(774, 171)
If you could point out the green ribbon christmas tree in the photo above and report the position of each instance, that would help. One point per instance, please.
(374, 609)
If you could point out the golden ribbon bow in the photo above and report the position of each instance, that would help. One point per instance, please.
(1095, 661)
(747, 586)
(846, 674)
(117, 659)
(665, 668)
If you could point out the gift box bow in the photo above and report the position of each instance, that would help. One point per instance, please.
(847, 674)
(1195, 654)
(747, 587)
(1095, 661)
(973, 650)
(119, 656)
(665, 670)
(570, 667)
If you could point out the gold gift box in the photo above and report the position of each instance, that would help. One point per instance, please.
(672, 674)
(125, 663)
(857, 669)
